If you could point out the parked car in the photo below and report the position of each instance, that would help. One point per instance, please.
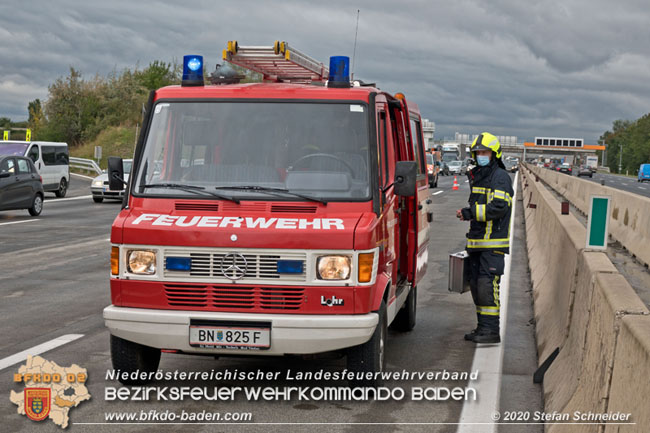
(585, 170)
(565, 168)
(456, 167)
(644, 173)
(21, 187)
(99, 187)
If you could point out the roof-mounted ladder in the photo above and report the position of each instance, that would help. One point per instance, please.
(277, 63)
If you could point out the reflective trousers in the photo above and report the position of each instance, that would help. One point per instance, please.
(486, 268)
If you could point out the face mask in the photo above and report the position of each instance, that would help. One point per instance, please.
(482, 160)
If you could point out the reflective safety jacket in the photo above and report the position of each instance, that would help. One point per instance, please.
(490, 202)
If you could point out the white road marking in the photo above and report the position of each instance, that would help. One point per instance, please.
(436, 193)
(59, 200)
(467, 181)
(37, 350)
(641, 187)
(488, 360)
(81, 175)
(18, 222)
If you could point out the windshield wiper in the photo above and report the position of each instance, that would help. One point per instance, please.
(274, 191)
(190, 188)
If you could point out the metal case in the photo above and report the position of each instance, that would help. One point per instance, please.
(459, 272)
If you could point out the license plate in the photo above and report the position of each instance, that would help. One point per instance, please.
(231, 336)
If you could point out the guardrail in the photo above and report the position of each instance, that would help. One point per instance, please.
(85, 164)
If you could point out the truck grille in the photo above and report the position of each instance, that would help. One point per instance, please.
(208, 265)
(234, 297)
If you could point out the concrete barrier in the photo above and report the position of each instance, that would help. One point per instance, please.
(612, 299)
(630, 219)
(561, 379)
(553, 270)
(585, 307)
(631, 376)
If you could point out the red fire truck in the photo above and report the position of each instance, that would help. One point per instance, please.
(274, 218)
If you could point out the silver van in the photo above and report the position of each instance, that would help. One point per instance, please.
(50, 158)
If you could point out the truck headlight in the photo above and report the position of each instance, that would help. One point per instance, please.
(333, 267)
(98, 183)
(141, 262)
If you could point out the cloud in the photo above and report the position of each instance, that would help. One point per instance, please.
(566, 68)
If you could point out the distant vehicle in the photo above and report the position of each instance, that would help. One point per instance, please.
(50, 158)
(433, 167)
(592, 163)
(456, 167)
(585, 170)
(644, 173)
(99, 187)
(21, 186)
(511, 165)
(565, 168)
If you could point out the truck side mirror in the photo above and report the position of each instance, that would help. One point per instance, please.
(405, 174)
(115, 173)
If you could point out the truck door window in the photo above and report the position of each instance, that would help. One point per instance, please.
(417, 149)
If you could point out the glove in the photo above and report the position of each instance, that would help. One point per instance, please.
(467, 213)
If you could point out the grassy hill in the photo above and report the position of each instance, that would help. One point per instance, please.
(115, 141)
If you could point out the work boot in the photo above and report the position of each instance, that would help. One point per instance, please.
(485, 336)
(470, 336)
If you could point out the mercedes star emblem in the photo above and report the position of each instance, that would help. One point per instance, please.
(234, 266)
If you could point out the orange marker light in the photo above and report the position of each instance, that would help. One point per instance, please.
(115, 260)
(365, 267)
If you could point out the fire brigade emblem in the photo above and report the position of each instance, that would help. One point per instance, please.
(37, 403)
(219, 335)
(234, 266)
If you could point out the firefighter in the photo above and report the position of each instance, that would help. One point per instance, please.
(488, 240)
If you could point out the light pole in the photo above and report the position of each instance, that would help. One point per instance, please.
(620, 158)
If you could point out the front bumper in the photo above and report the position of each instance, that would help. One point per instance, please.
(100, 192)
(290, 333)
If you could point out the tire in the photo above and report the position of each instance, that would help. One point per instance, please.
(128, 357)
(63, 188)
(37, 205)
(369, 357)
(98, 199)
(405, 319)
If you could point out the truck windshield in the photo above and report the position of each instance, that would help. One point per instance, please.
(10, 148)
(449, 157)
(319, 150)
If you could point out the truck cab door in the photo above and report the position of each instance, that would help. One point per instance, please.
(415, 254)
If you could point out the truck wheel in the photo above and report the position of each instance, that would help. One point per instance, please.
(98, 199)
(405, 319)
(63, 188)
(369, 357)
(128, 357)
(37, 205)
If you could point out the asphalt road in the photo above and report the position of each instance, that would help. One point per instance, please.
(55, 282)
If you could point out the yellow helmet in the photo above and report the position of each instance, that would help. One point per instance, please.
(486, 141)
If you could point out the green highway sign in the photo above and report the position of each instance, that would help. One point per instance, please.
(598, 224)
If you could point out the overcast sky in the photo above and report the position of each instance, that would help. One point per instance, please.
(549, 68)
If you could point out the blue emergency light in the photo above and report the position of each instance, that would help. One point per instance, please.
(178, 264)
(192, 70)
(339, 75)
(290, 266)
